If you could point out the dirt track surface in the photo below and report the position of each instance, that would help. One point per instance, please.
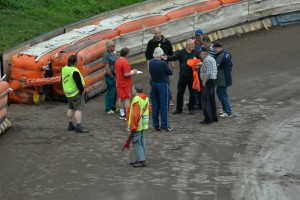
(254, 155)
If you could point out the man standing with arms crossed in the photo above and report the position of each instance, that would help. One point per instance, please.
(123, 73)
(73, 86)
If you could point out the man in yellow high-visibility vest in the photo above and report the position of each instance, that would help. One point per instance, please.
(73, 86)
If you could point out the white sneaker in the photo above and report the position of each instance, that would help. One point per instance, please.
(171, 103)
(221, 112)
(225, 115)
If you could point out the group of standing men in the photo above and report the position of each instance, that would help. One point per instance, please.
(215, 76)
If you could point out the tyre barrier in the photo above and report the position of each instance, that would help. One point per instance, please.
(88, 43)
(4, 122)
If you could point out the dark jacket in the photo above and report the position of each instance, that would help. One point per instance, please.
(159, 71)
(224, 64)
(165, 44)
(183, 56)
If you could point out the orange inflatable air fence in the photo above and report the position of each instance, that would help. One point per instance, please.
(91, 67)
(84, 70)
(139, 24)
(94, 77)
(91, 53)
(228, 1)
(27, 62)
(61, 57)
(107, 34)
(21, 97)
(17, 73)
(3, 93)
(96, 86)
(190, 10)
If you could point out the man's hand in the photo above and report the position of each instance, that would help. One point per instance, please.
(134, 71)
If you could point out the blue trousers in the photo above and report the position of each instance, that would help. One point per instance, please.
(139, 145)
(111, 93)
(160, 104)
(224, 99)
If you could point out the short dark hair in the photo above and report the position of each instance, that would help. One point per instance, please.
(206, 39)
(72, 60)
(138, 87)
(124, 52)
(205, 50)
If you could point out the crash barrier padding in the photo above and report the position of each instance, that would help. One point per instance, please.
(4, 122)
(224, 2)
(89, 50)
(107, 34)
(4, 125)
(95, 89)
(141, 23)
(191, 9)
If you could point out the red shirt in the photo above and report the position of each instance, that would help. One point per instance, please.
(122, 66)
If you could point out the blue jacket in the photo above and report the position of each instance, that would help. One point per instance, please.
(224, 64)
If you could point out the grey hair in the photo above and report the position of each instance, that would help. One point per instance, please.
(109, 43)
(158, 52)
(189, 41)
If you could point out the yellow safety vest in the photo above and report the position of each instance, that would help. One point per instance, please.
(144, 119)
(68, 82)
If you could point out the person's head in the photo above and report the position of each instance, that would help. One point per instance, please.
(206, 41)
(217, 47)
(158, 52)
(199, 35)
(72, 60)
(137, 88)
(203, 53)
(190, 44)
(110, 46)
(157, 34)
(124, 52)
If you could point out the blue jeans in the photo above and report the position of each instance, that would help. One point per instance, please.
(111, 93)
(160, 101)
(139, 145)
(224, 99)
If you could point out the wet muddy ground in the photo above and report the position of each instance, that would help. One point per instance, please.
(253, 155)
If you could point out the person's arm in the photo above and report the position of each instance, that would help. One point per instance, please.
(106, 65)
(77, 80)
(127, 71)
(173, 57)
(135, 117)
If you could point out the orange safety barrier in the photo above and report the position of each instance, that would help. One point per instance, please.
(139, 24)
(94, 77)
(89, 81)
(228, 1)
(107, 34)
(191, 9)
(40, 81)
(4, 86)
(29, 63)
(84, 69)
(95, 86)
(17, 73)
(61, 57)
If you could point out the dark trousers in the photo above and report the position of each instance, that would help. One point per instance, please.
(182, 83)
(111, 93)
(209, 101)
(160, 100)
